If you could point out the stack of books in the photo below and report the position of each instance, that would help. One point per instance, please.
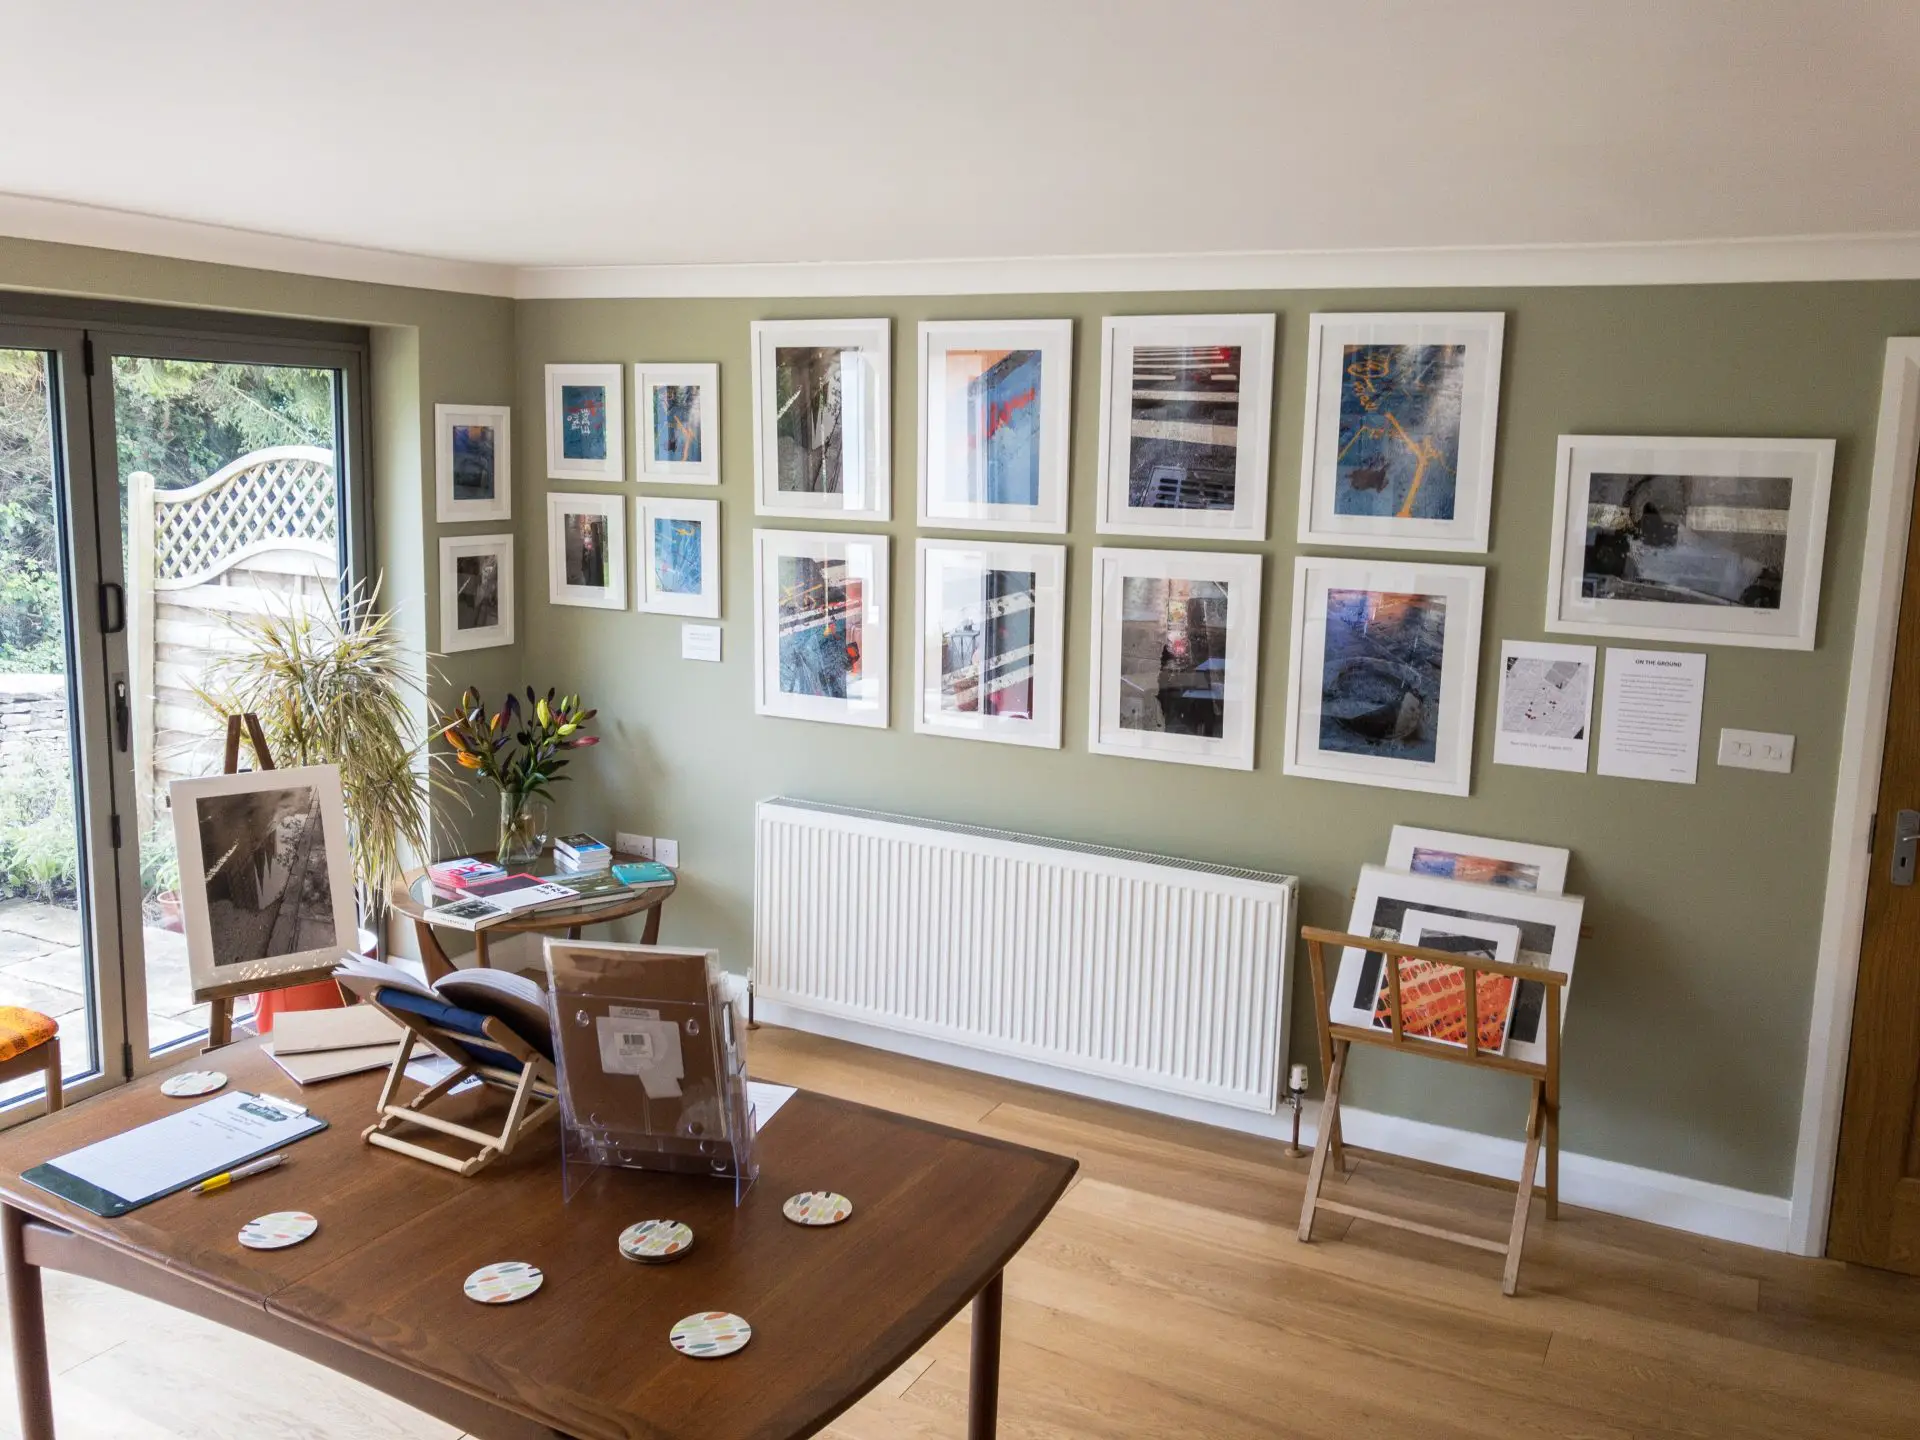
(452, 877)
(580, 853)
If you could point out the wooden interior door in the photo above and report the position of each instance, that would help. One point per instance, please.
(1876, 1192)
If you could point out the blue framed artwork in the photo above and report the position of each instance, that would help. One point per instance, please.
(1400, 431)
(584, 423)
(820, 627)
(677, 423)
(473, 453)
(679, 556)
(994, 401)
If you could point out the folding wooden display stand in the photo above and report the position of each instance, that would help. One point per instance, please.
(531, 1079)
(220, 1011)
(1336, 1040)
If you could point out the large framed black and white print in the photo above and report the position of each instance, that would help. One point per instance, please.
(991, 619)
(1707, 541)
(1176, 656)
(822, 442)
(1386, 657)
(1549, 927)
(1186, 406)
(266, 884)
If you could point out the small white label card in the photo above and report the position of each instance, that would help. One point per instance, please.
(1650, 715)
(700, 642)
(1546, 705)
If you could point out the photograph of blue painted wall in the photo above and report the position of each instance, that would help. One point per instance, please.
(1400, 431)
(676, 556)
(583, 422)
(676, 424)
(993, 427)
(1380, 676)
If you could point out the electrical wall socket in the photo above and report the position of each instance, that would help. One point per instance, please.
(667, 852)
(1756, 750)
(641, 845)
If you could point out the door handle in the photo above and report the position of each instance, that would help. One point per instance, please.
(1906, 846)
(122, 717)
(113, 616)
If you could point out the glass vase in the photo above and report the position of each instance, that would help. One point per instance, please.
(523, 829)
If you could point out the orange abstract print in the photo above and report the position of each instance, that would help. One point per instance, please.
(1433, 1004)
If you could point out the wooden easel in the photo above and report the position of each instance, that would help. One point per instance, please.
(1337, 1040)
(220, 1011)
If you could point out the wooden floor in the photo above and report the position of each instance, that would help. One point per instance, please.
(1168, 1297)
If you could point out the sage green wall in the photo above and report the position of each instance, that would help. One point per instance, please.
(429, 346)
(1686, 1031)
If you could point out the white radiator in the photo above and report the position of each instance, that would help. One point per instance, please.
(1168, 975)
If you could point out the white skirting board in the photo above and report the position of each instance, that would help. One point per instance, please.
(1676, 1201)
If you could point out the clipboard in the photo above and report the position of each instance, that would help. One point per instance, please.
(123, 1172)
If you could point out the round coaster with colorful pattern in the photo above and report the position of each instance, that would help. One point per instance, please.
(504, 1283)
(817, 1207)
(655, 1242)
(710, 1335)
(192, 1082)
(278, 1230)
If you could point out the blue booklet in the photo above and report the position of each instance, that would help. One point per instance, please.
(642, 872)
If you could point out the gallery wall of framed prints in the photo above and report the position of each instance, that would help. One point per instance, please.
(822, 419)
(996, 402)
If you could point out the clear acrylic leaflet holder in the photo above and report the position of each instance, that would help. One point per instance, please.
(652, 1066)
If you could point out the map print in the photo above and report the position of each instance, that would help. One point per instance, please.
(1545, 697)
(1400, 431)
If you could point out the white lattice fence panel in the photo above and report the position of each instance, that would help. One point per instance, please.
(278, 499)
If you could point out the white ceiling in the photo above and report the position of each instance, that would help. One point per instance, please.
(597, 132)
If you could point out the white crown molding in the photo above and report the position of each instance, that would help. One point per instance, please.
(26, 217)
(1703, 262)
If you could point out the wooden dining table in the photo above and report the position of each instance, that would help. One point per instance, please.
(377, 1294)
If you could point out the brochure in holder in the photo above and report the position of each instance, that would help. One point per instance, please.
(652, 1066)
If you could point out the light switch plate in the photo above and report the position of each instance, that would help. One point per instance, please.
(1756, 750)
(667, 852)
(641, 845)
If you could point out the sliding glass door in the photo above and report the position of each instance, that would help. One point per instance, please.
(166, 495)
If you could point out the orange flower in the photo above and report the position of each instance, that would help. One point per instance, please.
(472, 762)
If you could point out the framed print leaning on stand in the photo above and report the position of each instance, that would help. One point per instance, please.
(991, 616)
(820, 632)
(995, 411)
(822, 447)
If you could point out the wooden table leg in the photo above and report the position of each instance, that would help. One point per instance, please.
(26, 1314)
(482, 955)
(650, 934)
(433, 954)
(983, 1387)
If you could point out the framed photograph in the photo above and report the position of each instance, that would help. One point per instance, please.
(473, 463)
(820, 630)
(822, 446)
(1549, 927)
(991, 621)
(1176, 656)
(266, 886)
(1401, 419)
(1386, 657)
(1433, 995)
(476, 592)
(679, 556)
(996, 398)
(584, 423)
(1186, 404)
(1510, 864)
(1712, 542)
(676, 415)
(587, 551)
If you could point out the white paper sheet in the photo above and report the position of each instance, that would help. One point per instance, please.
(432, 1069)
(168, 1153)
(699, 642)
(766, 1100)
(1650, 715)
(1546, 705)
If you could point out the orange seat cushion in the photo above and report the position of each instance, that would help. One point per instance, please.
(22, 1030)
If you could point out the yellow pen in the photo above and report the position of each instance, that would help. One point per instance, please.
(239, 1172)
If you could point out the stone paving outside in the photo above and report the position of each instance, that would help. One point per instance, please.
(43, 967)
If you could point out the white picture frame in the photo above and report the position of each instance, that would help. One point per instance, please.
(1507, 864)
(843, 466)
(587, 563)
(1761, 508)
(1365, 627)
(247, 849)
(665, 569)
(473, 463)
(1187, 707)
(1182, 476)
(585, 442)
(1420, 404)
(680, 424)
(795, 682)
(1549, 939)
(996, 399)
(465, 602)
(1002, 681)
